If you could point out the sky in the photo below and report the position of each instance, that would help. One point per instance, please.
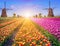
(22, 7)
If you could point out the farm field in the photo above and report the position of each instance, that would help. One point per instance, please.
(29, 32)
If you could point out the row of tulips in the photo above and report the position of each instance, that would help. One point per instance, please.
(28, 35)
(7, 30)
(50, 24)
(8, 22)
(3, 20)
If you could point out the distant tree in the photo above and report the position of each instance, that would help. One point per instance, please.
(33, 16)
(40, 15)
(18, 16)
(44, 15)
(36, 16)
(14, 15)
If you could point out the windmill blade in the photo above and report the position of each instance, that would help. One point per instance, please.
(5, 4)
(45, 9)
(54, 8)
(9, 9)
(0, 8)
(49, 4)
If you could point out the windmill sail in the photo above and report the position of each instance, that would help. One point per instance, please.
(4, 13)
(50, 10)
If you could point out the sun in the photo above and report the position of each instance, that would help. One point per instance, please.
(27, 13)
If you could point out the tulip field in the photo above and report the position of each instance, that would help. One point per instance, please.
(50, 24)
(29, 31)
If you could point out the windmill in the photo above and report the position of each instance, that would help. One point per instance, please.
(4, 13)
(50, 10)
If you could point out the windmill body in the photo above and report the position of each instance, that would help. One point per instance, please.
(50, 12)
(4, 14)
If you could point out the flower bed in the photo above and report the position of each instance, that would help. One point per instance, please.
(50, 24)
(29, 35)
